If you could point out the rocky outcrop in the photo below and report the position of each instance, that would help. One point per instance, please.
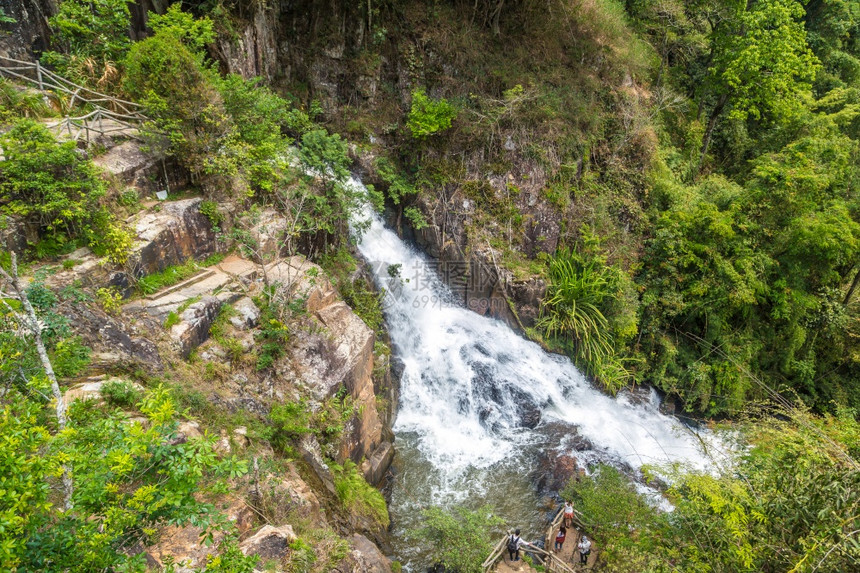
(269, 543)
(30, 33)
(196, 320)
(252, 51)
(185, 545)
(341, 356)
(171, 236)
(366, 557)
(146, 171)
(116, 345)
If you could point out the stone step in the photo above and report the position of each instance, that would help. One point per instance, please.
(181, 285)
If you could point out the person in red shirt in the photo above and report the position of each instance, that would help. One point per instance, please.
(559, 538)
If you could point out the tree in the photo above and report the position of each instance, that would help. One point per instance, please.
(760, 65)
(461, 539)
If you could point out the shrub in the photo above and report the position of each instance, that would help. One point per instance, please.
(110, 299)
(358, 496)
(70, 357)
(461, 539)
(428, 116)
(120, 393)
(50, 185)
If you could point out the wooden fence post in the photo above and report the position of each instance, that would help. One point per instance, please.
(39, 75)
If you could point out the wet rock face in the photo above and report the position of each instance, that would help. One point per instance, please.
(558, 462)
(171, 236)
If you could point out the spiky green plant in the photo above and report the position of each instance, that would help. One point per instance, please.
(570, 312)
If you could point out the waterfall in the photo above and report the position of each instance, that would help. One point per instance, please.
(476, 397)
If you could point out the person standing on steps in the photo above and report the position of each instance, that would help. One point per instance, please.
(584, 549)
(559, 538)
(514, 544)
(568, 514)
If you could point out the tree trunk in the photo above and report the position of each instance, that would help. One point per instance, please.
(709, 131)
(853, 287)
(32, 322)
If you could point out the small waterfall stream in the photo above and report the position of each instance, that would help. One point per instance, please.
(477, 402)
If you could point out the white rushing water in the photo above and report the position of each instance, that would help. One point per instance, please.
(472, 391)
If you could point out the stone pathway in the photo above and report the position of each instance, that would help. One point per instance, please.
(214, 280)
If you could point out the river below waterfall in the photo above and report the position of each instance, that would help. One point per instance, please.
(480, 404)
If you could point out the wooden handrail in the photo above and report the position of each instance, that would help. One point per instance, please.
(553, 563)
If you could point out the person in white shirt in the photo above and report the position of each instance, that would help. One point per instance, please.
(584, 549)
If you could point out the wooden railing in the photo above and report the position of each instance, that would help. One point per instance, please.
(45, 79)
(100, 121)
(109, 114)
(578, 521)
(550, 561)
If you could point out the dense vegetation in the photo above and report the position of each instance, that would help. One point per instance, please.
(682, 175)
(788, 503)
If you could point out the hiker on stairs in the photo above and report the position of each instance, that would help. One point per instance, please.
(514, 544)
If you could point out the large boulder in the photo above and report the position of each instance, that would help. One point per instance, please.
(366, 557)
(171, 236)
(196, 320)
(113, 342)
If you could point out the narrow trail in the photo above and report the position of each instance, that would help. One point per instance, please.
(565, 560)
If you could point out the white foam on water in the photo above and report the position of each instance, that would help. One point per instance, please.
(468, 376)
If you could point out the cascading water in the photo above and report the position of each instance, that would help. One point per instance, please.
(476, 400)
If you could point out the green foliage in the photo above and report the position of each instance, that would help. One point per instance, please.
(195, 33)
(151, 284)
(70, 357)
(428, 116)
(110, 300)
(271, 337)
(120, 394)
(53, 188)
(582, 288)
(135, 481)
(93, 37)
(17, 102)
(358, 496)
(762, 59)
(210, 210)
(27, 469)
(356, 291)
(461, 538)
(291, 421)
(179, 96)
(791, 505)
(614, 512)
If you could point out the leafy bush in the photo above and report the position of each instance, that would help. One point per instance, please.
(292, 420)
(358, 496)
(110, 299)
(461, 538)
(17, 102)
(70, 357)
(120, 393)
(93, 37)
(136, 481)
(51, 186)
(428, 116)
